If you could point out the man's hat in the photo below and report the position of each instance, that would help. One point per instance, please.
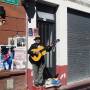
(37, 38)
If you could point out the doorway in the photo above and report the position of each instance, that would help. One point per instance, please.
(47, 31)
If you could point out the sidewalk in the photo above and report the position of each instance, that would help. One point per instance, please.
(79, 85)
(12, 80)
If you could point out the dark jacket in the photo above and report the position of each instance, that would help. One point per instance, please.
(30, 52)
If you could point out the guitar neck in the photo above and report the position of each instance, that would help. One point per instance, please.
(50, 46)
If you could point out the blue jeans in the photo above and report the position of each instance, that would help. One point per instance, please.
(9, 62)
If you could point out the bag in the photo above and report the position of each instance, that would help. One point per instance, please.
(46, 73)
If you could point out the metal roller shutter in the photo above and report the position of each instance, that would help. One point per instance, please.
(78, 45)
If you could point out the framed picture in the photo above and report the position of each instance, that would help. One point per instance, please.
(30, 32)
(35, 31)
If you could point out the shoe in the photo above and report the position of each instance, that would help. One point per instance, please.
(41, 84)
(36, 85)
(52, 82)
(56, 82)
(48, 83)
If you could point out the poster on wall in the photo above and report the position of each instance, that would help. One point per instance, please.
(30, 32)
(20, 59)
(33, 32)
(12, 58)
(6, 57)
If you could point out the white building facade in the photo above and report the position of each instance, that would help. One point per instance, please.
(71, 19)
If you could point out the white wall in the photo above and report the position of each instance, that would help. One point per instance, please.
(61, 31)
(61, 27)
(30, 38)
(78, 6)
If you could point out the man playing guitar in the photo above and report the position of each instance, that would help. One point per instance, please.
(36, 57)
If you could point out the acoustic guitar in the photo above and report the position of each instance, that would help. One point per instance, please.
(42, 51)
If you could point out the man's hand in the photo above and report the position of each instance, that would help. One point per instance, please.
(37, 52)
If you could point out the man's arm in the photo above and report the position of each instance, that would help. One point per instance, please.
(30, 50)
